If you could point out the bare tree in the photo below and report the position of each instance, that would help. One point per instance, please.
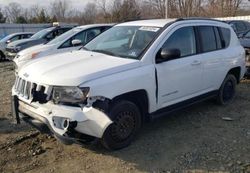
(124, 10)
(60, 9)
(158, 6)
(2, 17)
(89, 14)
(189, 8)
(13, 11)
(223, 7)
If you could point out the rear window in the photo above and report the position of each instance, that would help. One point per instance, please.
(226, 36)
(241, 26)
(208, 39)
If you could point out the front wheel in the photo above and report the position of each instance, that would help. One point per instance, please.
(2, 56)
(126, 119)
(227, 90)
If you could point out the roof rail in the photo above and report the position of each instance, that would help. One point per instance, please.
(197, 18)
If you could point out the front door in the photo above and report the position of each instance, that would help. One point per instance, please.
(180, 79)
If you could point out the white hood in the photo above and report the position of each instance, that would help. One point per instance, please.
(74, 68)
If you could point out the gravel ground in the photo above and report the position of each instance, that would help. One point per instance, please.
(203, 138)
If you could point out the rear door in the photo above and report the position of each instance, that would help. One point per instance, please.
(214, 42)
(180, 79)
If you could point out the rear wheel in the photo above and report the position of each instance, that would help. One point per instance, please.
(126, 119)
(227, 90)
(2, 56)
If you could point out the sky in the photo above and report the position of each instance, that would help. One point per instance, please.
(26, 3)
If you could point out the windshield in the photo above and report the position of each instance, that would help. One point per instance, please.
(64, 36)
(6, 38)
(41, 33)
(124, 41)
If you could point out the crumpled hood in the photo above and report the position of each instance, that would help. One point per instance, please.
(74, 68)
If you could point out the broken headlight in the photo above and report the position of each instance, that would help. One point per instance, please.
(69, 95)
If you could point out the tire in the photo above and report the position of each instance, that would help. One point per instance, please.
(2, 56)
(227, 90)
(127, 121)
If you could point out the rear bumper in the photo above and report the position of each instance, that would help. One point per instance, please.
(67, 125)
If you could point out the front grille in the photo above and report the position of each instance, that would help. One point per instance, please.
(31, 91)
(11, 50)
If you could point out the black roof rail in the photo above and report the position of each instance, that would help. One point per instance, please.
(197, 18)
(131, 20)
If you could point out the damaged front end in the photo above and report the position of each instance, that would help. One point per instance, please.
(65, 112)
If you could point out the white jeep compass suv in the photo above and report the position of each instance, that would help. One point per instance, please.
(134, 71)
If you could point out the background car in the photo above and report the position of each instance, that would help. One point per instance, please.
(10, 38)
(41, 37)
(239, 26)
(245, 42)
(70, 40)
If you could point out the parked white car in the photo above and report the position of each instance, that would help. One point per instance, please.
(133, 71)
(70, 40)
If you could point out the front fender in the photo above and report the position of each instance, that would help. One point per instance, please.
(123, 82)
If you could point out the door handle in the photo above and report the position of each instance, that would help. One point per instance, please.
(196, 62)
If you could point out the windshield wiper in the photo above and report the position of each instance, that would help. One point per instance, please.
(104, 52)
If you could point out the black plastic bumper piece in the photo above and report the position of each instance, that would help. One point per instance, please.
(14, 109)
(70, 137)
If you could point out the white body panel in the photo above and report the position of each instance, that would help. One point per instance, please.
(108, 76)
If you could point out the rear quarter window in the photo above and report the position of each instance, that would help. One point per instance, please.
(208, 39)
(225, 36)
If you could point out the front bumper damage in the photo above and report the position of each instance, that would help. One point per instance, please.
(68, 124)
(10, 55)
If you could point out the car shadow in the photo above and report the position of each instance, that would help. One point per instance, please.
(8, 126)
(178, 141)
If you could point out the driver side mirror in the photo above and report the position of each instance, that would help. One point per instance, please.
(8, 41)
(165, 54)
(76, 42)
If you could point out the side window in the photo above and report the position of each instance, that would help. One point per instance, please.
(17, 37)
(80, 36)
(218, 39)
(66, 44)
(208, 40)
(182, 39)
(61, 31)
(92, 33)
(50, 36)
(55, 33)
(26, 36)
(226, 36)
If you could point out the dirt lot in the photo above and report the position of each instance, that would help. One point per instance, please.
(203, 138)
